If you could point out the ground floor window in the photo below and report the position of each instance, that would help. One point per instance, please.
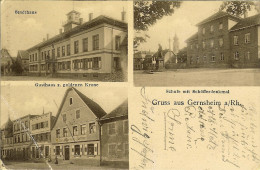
(213, 58)
(57, 150)
(90, 149)
(248, 55)
(77, 150)
(112, 149)
(236, 55)
(126, 149)
(221, 56)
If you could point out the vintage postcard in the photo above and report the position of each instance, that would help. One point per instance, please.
(140, 85)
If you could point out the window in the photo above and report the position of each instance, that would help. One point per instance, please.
(191, 46)
(18, 138)
(42, 56)
(36, 57)
(220, 41)
(203, 44)
(247, 38)
(53, 53)
(220, 26)
(235, 40)
(83, 129)
(90, 149)
(236, 55)
(203, 31)
(197, 46)
(77, 114)
(112, 149)
(64, 117)
(96, 62)
(68, 49)
(75, 130)
(197, 61)
(96, 42)
(211, 28)
(58, 52)
(85, 44)
(92, 128)
(90, 63)
(26, 124)
(71, 101)
(117, 42)
(77, 150)
(205, 58)
(221, 56)
(111, 128)
(126, 127)
(126, 149)
(213, 58)
(63, 51)
(76, 47)
(248, 55)
(57, 150)
(211, 43)
(58, 133)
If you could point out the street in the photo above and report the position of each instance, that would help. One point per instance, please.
(40, 165)
(199, 77)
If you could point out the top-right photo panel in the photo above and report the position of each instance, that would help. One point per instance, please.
(196, 43)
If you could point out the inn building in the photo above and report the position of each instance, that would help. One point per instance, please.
(76, 132)
(224, 40)
(7, 144)
(82, 49)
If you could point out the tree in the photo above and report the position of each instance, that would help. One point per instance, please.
(146, 13)
(17, 68)
(237, 8)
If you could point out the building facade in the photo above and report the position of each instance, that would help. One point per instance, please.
(41, 134)
(213, 44)
(21, 137)
(23, 60)
(114, 136)
(76, 132)
(90, 49)
(7, 140)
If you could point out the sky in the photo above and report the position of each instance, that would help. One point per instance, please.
(20, 99)
(20, 32)
(182, 23)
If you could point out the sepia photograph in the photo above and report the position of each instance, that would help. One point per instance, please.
(196, 43)
(70, 40)
(64, 128)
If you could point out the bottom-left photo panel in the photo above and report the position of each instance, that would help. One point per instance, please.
(64, 127)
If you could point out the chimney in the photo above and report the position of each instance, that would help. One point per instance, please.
(47, 37)
(90, 16)
(245, 14)
(81, 21)
(60, 30)
(123, 13)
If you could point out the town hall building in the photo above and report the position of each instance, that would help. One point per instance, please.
(82, 49)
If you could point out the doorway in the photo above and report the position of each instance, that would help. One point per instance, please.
(46, 151)
(67, 152)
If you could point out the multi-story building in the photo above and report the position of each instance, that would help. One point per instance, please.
(41, 134)
(76, 131)
(21, 137)
(90, 49)
(114, 136)
(216, 42)
(7, 140)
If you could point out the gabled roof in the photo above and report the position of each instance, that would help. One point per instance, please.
(93, 106)
(247, 22)
(120, 111)
(192, 38)
(163, 52)
(217, 15)
(87, 25)
(23, 54)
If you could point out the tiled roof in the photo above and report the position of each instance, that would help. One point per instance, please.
(120, 111)
(94, 107)
(217, 15)
(247, 22)
(23, 54)
(87, 25)
(193, 37)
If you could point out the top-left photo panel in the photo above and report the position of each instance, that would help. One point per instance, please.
(68, 40)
